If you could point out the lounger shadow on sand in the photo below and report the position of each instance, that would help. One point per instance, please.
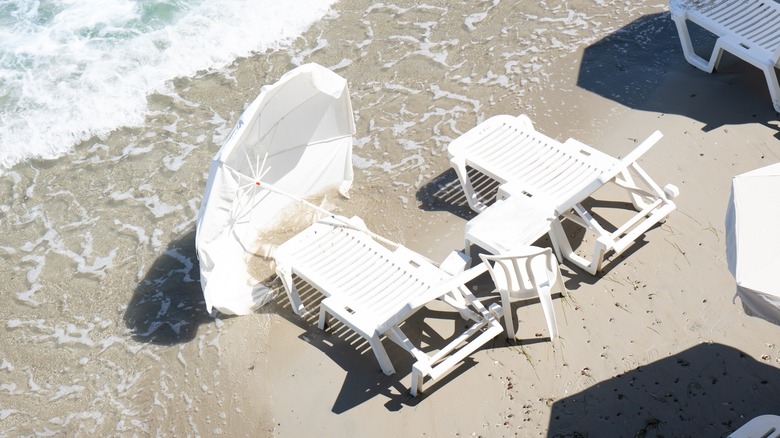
(642, 66)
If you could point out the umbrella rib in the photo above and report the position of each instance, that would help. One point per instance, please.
(262, 168)
(259, 166)
(249, 162)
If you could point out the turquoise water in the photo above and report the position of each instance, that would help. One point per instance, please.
(72, 70)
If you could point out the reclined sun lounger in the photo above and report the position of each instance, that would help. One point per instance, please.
(558, 177)
(372, 290)
(748, 29)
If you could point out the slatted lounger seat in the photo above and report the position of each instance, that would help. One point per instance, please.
(748, 29)
(373, 290)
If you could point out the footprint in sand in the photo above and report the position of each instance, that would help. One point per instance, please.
(693, 326)
(651, 355)
(629, 363)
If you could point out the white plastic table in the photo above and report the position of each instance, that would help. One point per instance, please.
(511, 222)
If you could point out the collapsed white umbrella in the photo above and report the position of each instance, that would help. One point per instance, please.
(753, 240)
(295, 138)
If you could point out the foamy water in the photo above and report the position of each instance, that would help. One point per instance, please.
(72, 70)
(104, 329)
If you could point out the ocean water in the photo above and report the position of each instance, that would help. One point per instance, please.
(73, 70)
(110, 113)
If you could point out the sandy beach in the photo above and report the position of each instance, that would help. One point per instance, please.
(653, 346)
(106, 331)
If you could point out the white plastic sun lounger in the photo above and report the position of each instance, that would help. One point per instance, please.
(763, 426)
(527, 163)
(372, 290)
(748, 29)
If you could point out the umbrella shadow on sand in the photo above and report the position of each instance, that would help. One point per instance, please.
(642, 67)
(706, 390)
(167, 305)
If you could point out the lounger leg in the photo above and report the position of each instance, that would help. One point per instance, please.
(292, 292)
(323, 318)
(417, 381)
(717, 54)
(774, 86)
(381, 355)
(467, 250)
(600, 249)
(335, 307)
(687, 47)
(563, 249)
(471, 196)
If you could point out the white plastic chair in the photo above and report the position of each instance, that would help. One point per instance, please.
(763, 426)
(373, 290)
(748, 29)
(527, 273)
(560, 175)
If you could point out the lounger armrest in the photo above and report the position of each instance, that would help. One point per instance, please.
(586, 150)
(643, 147)
(441, 289)
(449, 285)
(632, 156)
(415, 260)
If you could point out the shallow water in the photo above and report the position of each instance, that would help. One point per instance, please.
(104, 325)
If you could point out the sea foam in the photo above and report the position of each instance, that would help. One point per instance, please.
(71, 70)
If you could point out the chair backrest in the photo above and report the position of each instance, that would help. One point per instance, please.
(524, 271)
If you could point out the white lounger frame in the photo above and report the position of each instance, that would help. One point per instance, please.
(748, 29)
(527, 163)
(372, 290)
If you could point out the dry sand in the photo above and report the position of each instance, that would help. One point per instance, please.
(653, 346)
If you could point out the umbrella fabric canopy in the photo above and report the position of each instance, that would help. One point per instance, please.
(753, 240)
(296, 137)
